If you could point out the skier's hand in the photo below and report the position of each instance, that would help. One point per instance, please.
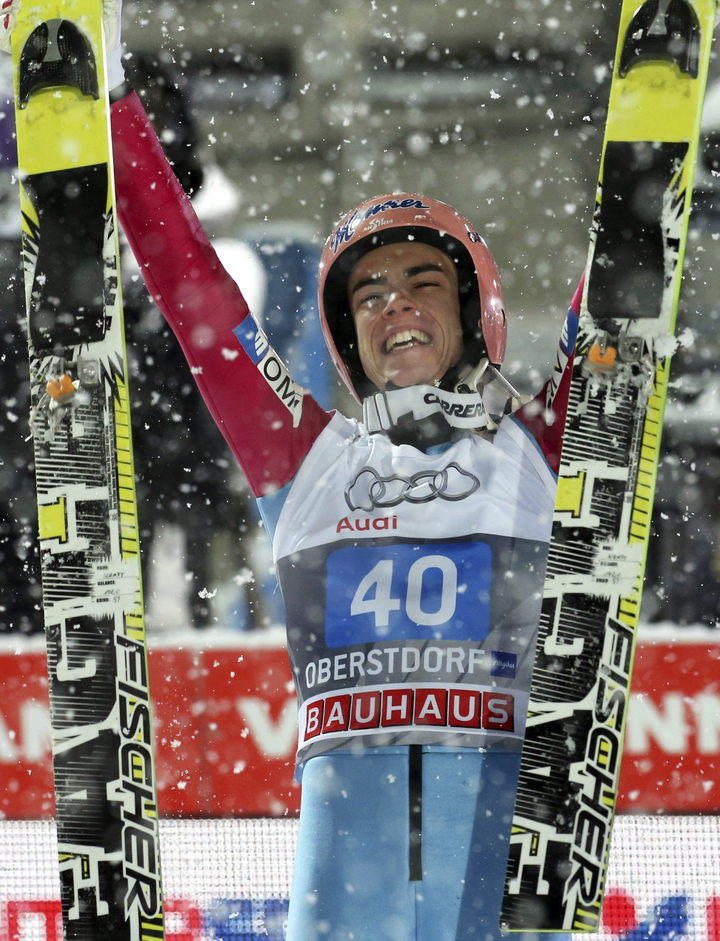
(112, 11)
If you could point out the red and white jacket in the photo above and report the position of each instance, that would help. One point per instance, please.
(412, 580)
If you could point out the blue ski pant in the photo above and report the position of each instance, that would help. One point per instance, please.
(353, 863)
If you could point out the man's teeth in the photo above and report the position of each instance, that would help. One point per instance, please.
(406, 338)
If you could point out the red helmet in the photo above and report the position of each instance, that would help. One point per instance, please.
(395, 218)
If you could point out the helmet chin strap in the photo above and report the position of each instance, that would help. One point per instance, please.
(429, 412)
(386, 410)
(489, 382)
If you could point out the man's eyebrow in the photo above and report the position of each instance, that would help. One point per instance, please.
(366, 282)
(428, 266)
(409, 273)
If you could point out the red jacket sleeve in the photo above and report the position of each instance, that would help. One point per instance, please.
(544, 416)
(269, 422)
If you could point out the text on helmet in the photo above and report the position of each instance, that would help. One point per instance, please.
(346, 231)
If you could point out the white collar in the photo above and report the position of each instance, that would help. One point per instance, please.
(384, 410)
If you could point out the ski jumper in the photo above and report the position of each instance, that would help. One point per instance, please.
(412, 583)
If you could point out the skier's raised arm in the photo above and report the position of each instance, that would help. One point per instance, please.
(269, 422)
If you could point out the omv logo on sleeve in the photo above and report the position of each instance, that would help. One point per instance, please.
(257, 346)
(432, 591)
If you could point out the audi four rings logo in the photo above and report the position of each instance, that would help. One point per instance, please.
(369, 490)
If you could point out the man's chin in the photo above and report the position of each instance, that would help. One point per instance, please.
(408, 371)
(405, 379)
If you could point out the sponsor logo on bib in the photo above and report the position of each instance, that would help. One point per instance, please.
(369, 490)
(365, 524)
(397, 707)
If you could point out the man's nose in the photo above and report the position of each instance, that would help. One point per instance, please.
(397, 301)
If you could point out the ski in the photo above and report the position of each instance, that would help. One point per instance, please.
(105, 794)
(565, 804)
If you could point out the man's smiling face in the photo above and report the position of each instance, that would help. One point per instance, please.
(405, 304)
